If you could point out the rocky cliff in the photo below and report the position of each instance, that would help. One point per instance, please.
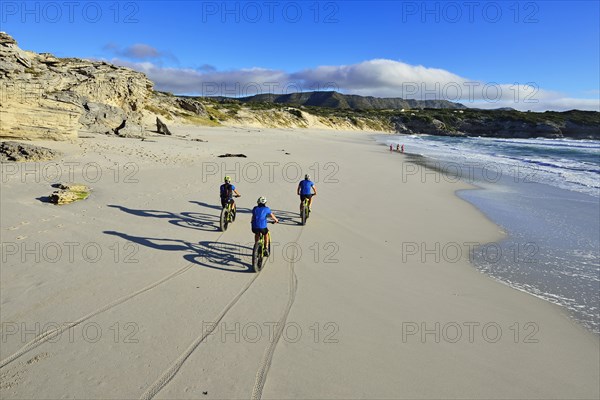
(44, 97)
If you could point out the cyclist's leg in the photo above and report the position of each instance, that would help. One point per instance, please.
(232, 208)
(223, 202)
(310, 201)
(267, 242)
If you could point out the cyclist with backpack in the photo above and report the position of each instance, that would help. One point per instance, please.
(227, 190)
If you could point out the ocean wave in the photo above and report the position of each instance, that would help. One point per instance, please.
(565, 163)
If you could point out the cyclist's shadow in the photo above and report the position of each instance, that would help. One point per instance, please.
(284, 217)
(239, 210)
(231, 257)
(213, 206)
(287, 217)
(193, 220)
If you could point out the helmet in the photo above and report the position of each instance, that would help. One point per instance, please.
(307, 177)
(227, 179)
(261, 200)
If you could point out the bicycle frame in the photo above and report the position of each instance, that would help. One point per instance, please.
(262, 239)
(304, 211)
(227, 215)
(305, 203)
(260, 245)
(229, 208)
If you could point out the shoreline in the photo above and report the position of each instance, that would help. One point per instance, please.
(370, 310)
(527, 247)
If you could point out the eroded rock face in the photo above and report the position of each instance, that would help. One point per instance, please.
(44, 97)
(191, 105)
(22, 152)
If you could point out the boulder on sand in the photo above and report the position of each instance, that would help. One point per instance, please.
(69, 193)
(21, 152)
(161, 127)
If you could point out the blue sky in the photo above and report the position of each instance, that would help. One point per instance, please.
(524, 54)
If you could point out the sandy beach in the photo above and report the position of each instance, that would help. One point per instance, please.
(141, 295)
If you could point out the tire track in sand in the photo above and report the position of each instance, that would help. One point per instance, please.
(265, 364)
(52, 333)
(170, 373)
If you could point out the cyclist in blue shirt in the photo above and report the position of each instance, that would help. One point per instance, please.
(306, 190)
(259, 221)
(226, 192)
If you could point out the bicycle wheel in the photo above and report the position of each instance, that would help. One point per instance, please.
(303, 215)
(257, 256)
(224, 219)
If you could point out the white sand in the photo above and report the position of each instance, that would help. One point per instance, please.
(366, 280)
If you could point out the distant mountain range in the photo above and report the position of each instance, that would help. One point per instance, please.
(341, 101)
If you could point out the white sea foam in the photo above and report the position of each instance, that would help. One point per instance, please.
(564, 163)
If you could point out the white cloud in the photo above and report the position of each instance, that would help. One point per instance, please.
(141, 52)
(378, 77)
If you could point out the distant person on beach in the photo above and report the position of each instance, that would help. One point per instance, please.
(402, 151)
(397, 147)
(259, 221)
(391, 148)
(306, 190)
(226, 192)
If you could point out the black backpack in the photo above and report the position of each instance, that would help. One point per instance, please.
(227, 191)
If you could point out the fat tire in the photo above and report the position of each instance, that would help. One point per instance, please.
(257, 257)
(223, 223)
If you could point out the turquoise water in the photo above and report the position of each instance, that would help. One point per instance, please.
(546, 194)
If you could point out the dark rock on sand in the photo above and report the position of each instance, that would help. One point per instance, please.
(161, 127)
(20, 152)
(232, 155)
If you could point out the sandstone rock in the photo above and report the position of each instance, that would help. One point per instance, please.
(21, 152)
(65, 197)
(191, 105)
(73, 187)
(130, 130)
(45, 97)
(161, 127)
(101, 118)
(69, 193)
